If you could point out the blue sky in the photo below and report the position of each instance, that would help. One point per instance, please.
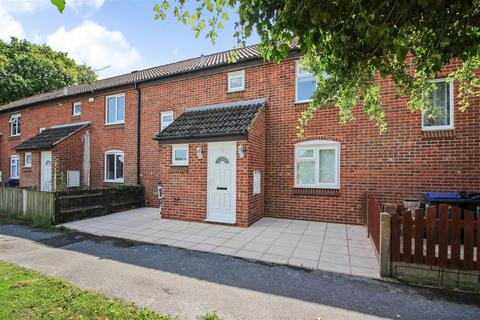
(119, 33)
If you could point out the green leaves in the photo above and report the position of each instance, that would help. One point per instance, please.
(27, 69)
(60, 4)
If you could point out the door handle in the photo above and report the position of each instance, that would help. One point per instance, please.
(222, 188)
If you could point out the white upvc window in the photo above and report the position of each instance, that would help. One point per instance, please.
(236, 81)
(441, 116)
(77, 108)
(305, 84)
(114, 166)
(180, 155)
(115, 109)
(317, 164)
(15, 125)
(28, 159)
(15, 167)
(166, 118)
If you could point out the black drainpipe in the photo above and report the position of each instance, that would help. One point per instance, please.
(139, 113)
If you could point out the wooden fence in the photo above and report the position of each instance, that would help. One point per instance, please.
(444, 236)
(69, 205)
(79, 204)
(372, 217)
(24, 202)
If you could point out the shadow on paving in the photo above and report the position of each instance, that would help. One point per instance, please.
(368, 296)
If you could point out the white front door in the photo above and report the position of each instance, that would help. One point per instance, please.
(46, 171)
(221, 176)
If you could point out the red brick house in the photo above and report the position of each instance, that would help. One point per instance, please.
(220, 139)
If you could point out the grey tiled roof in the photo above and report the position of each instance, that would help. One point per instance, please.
(48, 138)
(226, 120)
(195, 64)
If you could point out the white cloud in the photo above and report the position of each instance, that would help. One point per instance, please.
(15, 6)
(76, 4)
(9, 27)
(94, 45)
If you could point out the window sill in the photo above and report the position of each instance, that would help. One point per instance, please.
(14, 137)
(114, 126)
(178, 168)
(316, 191)
(438, 134)
(113, 181)
(76, 116)
(27, 169)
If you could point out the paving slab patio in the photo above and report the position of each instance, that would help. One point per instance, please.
(314, 245)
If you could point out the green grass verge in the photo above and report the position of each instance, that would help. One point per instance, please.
(25, 294)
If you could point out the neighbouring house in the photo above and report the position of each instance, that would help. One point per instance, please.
(219, 140)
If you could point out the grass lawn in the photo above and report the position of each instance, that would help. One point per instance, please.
(25, 294)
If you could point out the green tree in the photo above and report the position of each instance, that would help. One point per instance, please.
(355, 42)
(27, 69)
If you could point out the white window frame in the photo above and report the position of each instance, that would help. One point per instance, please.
(233, 75)
(179, 147)
(116, 96)
(15, 158)
(299, 75)
(27, 164)
(162, 123)
(451, 106)
(41, 129)
(15, 118)
(74, 112)
(316, 146)
(115, 153)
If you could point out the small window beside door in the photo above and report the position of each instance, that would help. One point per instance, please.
(114, 165)
(28, 160)
(180, 155)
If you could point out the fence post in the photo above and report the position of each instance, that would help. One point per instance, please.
(24, 201)
(385, 244)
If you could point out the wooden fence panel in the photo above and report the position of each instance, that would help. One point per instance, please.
(407, 236)
(431, 228)
(11, 201)
(443, 236)
(446, 236)
(419, 232)
(374, 221)
(468, 241)
(455, 237)
(39, 203)
(395, 235)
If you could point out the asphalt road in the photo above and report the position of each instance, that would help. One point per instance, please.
(187, 284)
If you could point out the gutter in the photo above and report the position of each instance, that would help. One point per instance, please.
(139, 114)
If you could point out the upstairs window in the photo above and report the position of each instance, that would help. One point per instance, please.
(15, 125)
(180, 155)
(77, 109)
(441, 115)
(236, 81)
(305, 84)
(28, 159)
(114, 164)
(14, 167)
(166, 118)
(317, 164)
(115, 109)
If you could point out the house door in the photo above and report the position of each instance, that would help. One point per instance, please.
(46, 171)
(222, 170)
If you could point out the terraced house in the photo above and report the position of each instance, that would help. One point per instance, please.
(220, 140)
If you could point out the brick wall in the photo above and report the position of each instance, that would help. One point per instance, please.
(400, 164)
(102, 137)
